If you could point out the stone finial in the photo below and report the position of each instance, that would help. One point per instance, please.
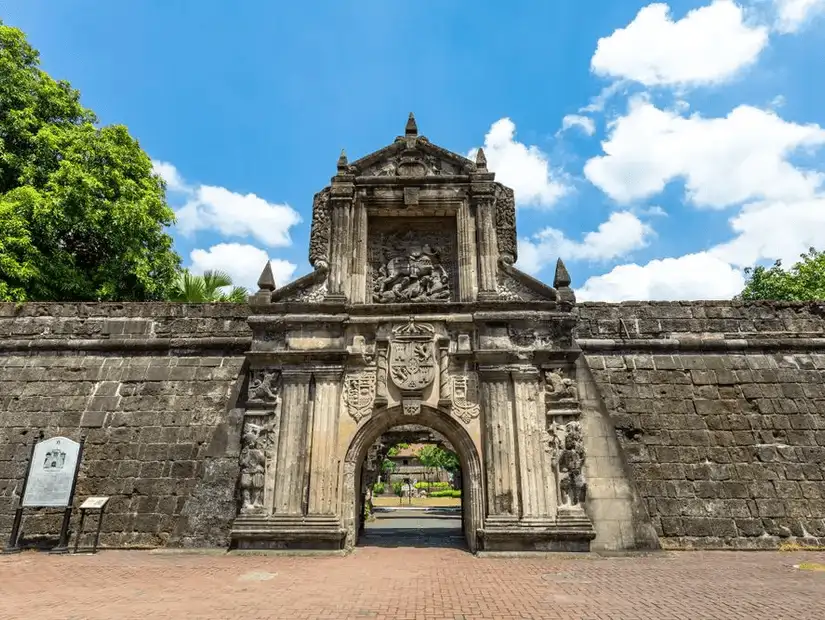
(342, 160)
(481, 160)
(267, 281)
(411, 130)
(562, 277)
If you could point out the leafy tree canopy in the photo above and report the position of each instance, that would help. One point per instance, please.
(804, 281)
(82, 216)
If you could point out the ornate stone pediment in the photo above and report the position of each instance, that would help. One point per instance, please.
(412, 157)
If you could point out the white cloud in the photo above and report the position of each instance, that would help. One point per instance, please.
(709, 45)
(170, 174)
(584, 123)
(775, 230)
(622, 233)
(791, 15)
(526, 169)
(694, 276)
(723, 161)
(244, 263)
(237, 215)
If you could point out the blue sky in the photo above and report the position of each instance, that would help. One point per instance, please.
(658, 148)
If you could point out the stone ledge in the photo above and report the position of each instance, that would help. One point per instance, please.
(234, 344)
(712, 344)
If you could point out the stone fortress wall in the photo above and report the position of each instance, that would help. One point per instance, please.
(150, 386)
(714, 415)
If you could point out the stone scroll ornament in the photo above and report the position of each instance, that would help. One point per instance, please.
(359, 393)
(506, 225)
(560, 389)
(569, 456)
(412, 363)
(319, 236)
(465, 397)
(255, 445)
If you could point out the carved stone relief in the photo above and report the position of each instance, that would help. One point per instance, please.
(264, 387)
(560, 390)
(506, 225)
(255, 445)
(510, 289)
(359, 393)
(314, 293)
(319, 236)
(569, 456)
(411, 164)
(465, 397)
(412, 265)
(412, 363)
(530, 338)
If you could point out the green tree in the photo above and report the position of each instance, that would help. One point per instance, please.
(398, 489)
(431, 457)
(804, 281)
(387, 467)
(82, 215)
(207, 288)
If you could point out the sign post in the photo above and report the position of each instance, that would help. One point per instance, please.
(91, 503)
(50, 482)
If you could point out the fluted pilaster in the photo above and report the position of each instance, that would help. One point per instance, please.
(533, 475)
(487, 245)
(466, 243)
(500, 445)
(323, 477)
(292, 443)
(358, 277)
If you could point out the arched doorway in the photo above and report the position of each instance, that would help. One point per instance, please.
(381, 421)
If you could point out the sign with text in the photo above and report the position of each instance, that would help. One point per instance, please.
(52, 473)
(93, 503)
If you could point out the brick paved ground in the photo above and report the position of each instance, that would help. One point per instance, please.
(411, 583)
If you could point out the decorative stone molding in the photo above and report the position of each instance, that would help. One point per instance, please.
(319, 236)
(560, 392)
(412, 362)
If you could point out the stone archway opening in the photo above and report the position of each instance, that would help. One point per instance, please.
(412, 524)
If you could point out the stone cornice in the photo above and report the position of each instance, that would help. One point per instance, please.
(698, 344)
(216, 343)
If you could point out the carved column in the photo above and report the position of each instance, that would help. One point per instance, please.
(323, 476)
(529, 413)
(487, 245)
(500, 444)
(466, 245)
(341, 198)
(361, 291)
(292, 443)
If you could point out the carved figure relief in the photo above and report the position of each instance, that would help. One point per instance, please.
(465, 397)
(569, 460)
(255, 443)
(264, 387)
(412, 362)
(319, 235)
(560, 389)
(412, 164)
(529, 338)
(411, 266)
(359, 393)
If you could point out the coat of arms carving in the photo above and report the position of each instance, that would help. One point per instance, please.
(465, 397)
(412, 361)
(359, 394)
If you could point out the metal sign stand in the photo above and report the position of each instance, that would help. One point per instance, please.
(91, 503)
(63, 542)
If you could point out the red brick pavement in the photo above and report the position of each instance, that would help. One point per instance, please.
(411, 584)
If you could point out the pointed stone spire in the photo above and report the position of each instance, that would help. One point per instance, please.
(267, 281)
(411, 130)
(562, 277)
(481, 160)
(342, 160)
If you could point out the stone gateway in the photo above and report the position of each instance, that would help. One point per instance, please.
(578, 426)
